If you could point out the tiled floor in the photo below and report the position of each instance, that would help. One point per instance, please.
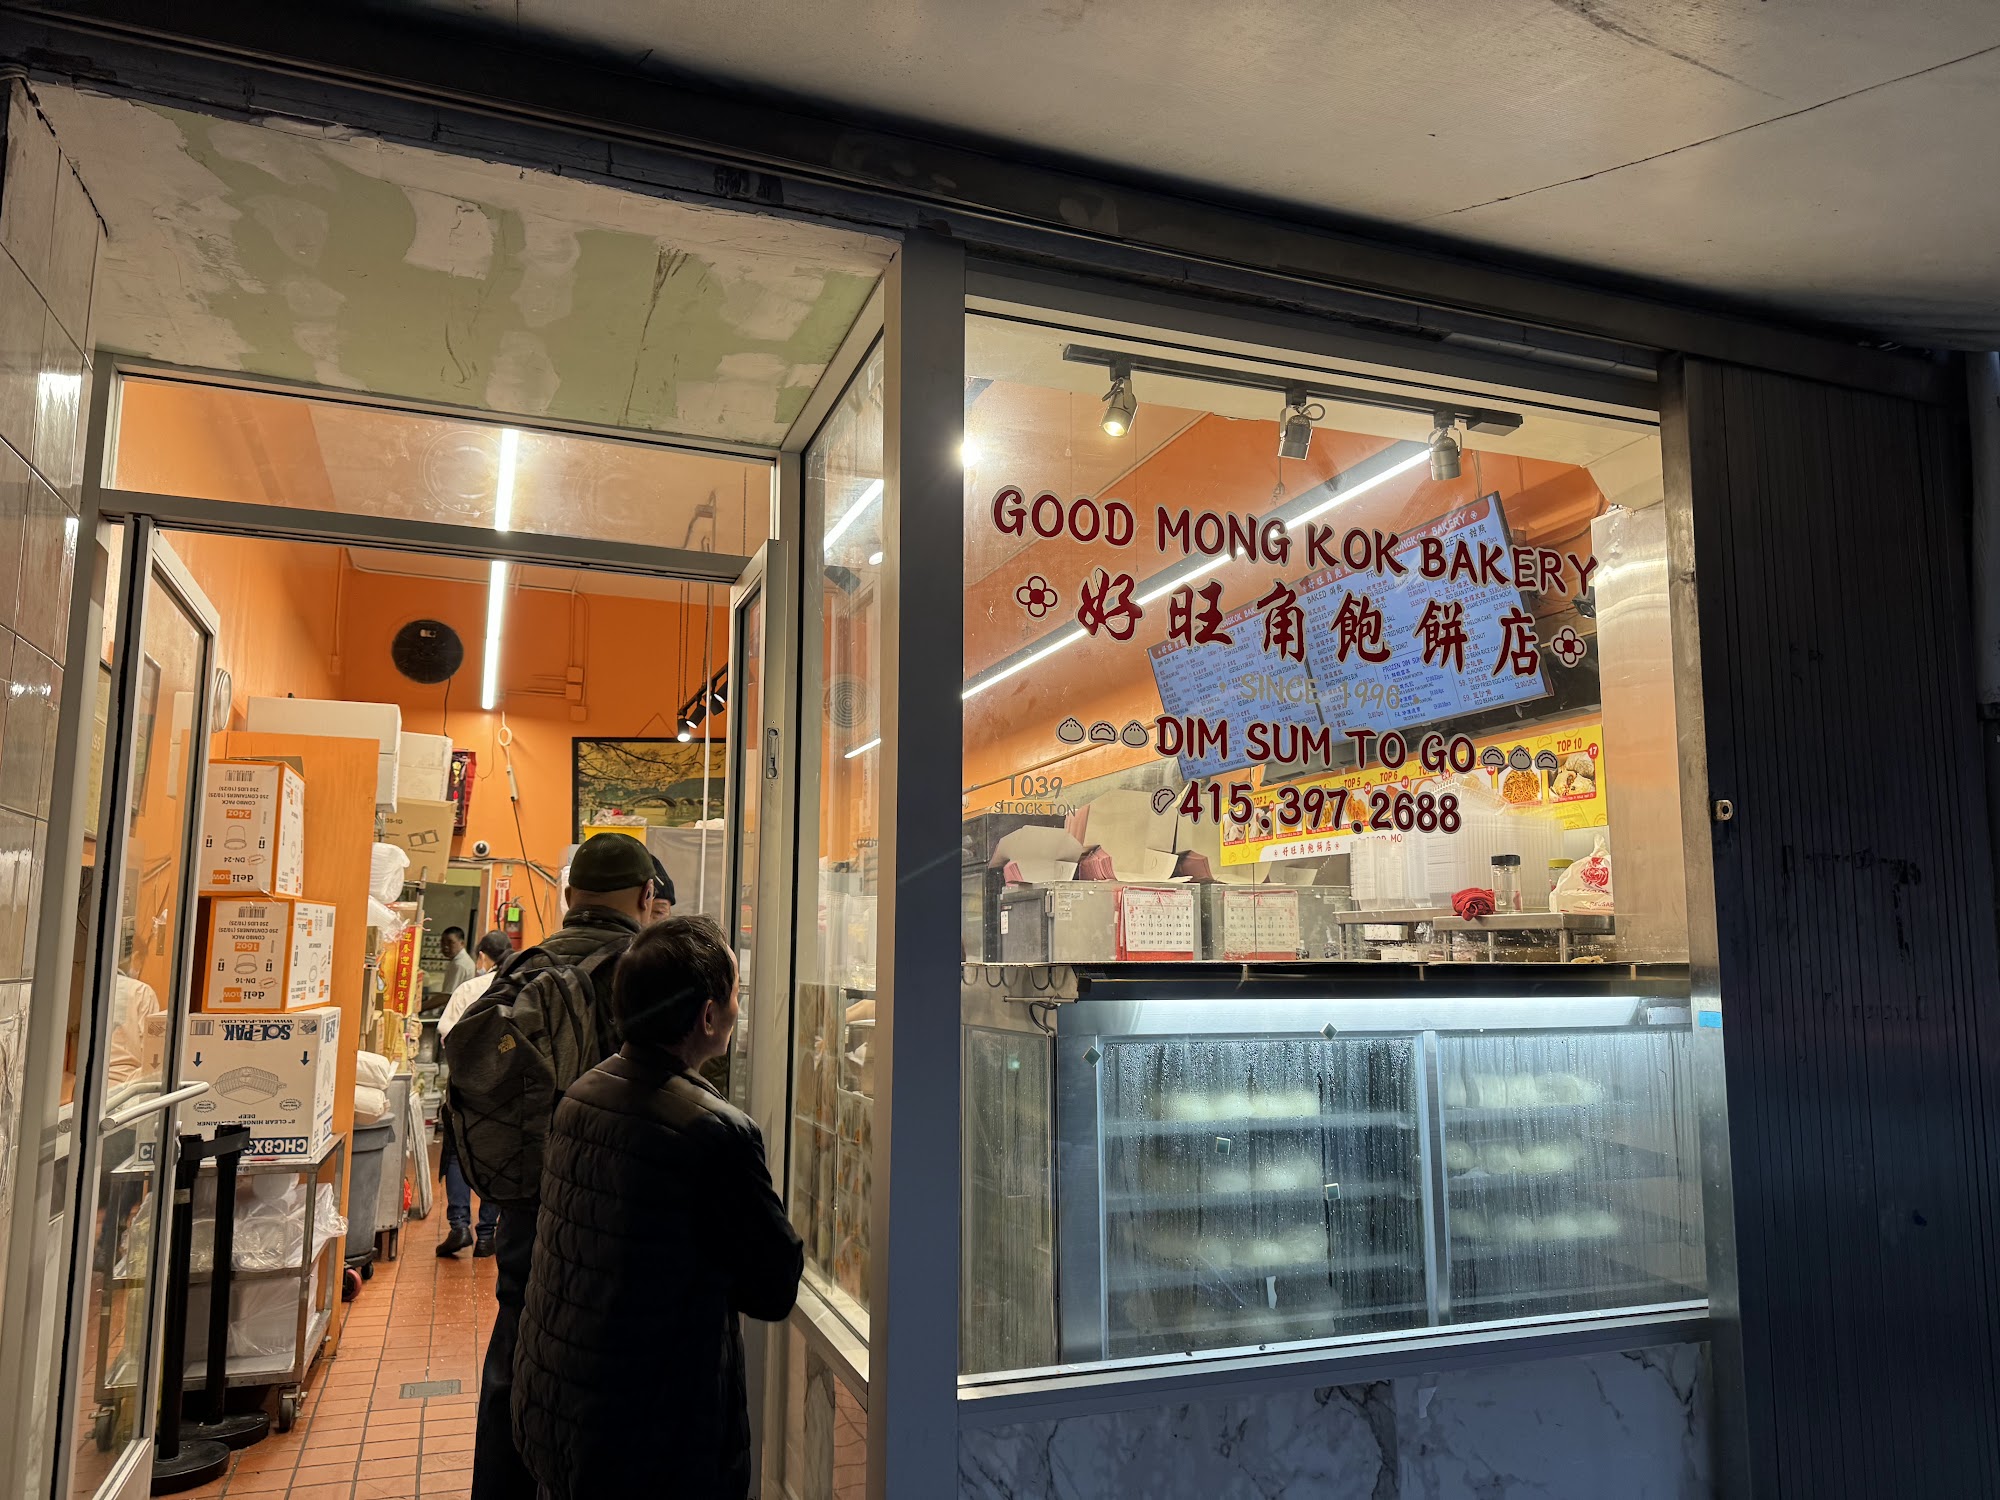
(357, 1437)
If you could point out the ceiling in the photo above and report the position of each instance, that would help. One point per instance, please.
(307, 254)
(1829, 159)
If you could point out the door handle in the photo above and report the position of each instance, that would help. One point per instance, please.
(118, 1119)
(771, 754)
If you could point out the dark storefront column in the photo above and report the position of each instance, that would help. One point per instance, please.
(1854, 948)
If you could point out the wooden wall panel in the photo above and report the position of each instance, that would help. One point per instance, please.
(1855, 931)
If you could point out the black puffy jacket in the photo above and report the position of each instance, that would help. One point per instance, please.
(658, 1227)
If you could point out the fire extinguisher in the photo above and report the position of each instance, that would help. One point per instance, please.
(510, 923)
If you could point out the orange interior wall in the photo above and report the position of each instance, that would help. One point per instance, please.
(298, 618)
(1216, 464)
(275, 601)
(631, 652)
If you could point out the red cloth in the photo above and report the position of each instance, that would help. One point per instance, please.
(1472, 903)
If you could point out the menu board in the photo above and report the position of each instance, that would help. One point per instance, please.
(1244, 680)
(1240, 679)
(1405, 690)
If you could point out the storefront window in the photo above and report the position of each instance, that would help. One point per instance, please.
(1363, 689)
(834, 1049)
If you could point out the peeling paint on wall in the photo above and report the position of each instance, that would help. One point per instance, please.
(365, 264)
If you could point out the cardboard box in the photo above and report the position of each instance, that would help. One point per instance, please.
(272, 1071)
(266, 954)
(424, 829)
(336, 719)
(423, 768)
(253, 830)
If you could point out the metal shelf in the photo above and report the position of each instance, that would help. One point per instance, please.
(1246, 1124)
(1195, 1278)
(1194, 1198)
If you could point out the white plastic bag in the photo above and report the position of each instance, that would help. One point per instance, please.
(1586, 885)
(386, 864)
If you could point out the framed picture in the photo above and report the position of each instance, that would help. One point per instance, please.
(658, 781)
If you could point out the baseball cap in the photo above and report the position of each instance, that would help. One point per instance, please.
(611, 862)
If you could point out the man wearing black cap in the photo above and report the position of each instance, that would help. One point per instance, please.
(611, 894)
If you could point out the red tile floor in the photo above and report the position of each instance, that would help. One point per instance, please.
(358, 1437)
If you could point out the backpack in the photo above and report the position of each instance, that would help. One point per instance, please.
(512, 1055)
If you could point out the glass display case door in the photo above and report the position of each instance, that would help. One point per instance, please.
(139, 926)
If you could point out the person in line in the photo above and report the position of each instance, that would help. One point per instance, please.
(492, 948)
(457, 962)
(662, 905)
(658, 1227)
(609, 894)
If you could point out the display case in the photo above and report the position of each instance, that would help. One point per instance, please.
(1165, 1165)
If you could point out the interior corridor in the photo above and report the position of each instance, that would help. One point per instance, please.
(359, 1435)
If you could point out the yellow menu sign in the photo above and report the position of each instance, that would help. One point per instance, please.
(1561, 772)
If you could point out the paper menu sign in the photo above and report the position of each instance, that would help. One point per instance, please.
(1260, 923)
(1156, 922)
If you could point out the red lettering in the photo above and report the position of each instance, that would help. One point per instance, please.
(1242, 536)
(1167, 735)
(1430, 558)
(1052, 528)
(1174, 527)
(1461, 561)
(1386, 561)
(1362, 738)
(1393, 750)
(1585, 568)
(1491, 570)
(1115, 512)
(1353, 539)
(1208, 533)
(1078, 510)
(1277, 540)
(1258, 744)
(1206, 739)
(1318, 555)
(1524, 569)
(1009, 511)
(1552, 571)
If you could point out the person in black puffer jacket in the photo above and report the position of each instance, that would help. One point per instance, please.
(658, 1226)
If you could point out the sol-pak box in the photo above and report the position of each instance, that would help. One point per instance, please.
(271, 1071)
(253, 830)
(266, 953)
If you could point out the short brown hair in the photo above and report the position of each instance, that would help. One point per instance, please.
(670, 972)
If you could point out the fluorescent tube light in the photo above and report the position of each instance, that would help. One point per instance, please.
(496, 609)
(863, 749)
(496, 580)
(868, 497)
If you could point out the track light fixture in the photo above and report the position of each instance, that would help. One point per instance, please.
(1444, 447)
(1122, 366)
(1120, 404)
(1295, 424)
(710, 698)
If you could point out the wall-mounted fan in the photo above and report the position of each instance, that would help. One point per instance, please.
(427, 651)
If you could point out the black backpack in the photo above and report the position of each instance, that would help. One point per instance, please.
(512, 1055)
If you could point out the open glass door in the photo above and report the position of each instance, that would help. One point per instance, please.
(132, 973)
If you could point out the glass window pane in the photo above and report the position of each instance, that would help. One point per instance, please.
(1316, 672)
(834, 1019)
(748, 761)
(219, 443)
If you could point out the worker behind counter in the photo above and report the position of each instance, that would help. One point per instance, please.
(658, 1227)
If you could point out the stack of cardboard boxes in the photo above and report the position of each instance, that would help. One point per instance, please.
(266, 1029)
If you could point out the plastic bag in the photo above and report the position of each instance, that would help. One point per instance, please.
(270, 1225)
(1586, 885)
(386, 864)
